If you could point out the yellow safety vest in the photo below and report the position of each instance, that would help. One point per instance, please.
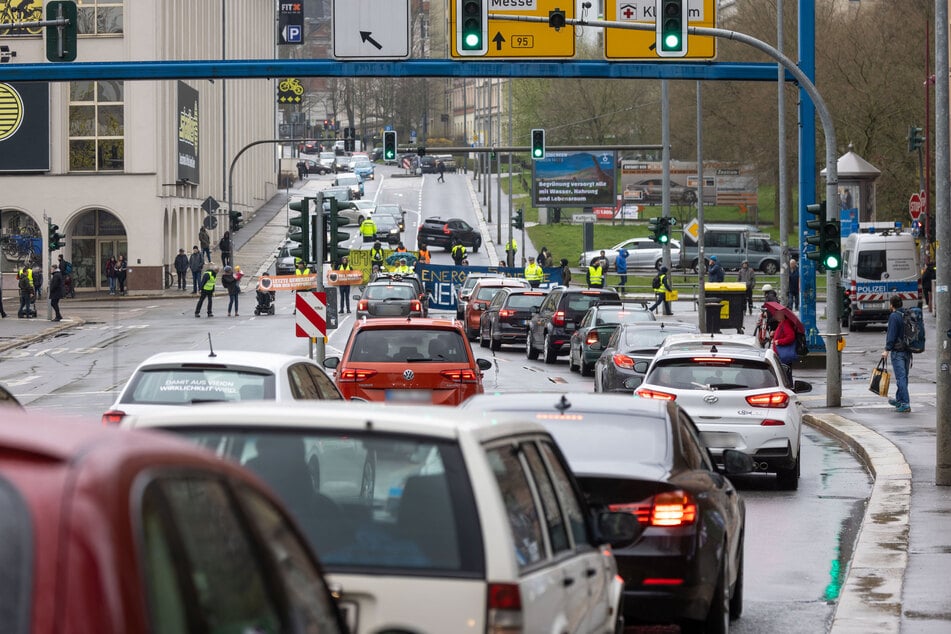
(210, 284)
(595, 275)
(403, 270)
(368, 228)
(512, 245)
(459, 249)
(534, 273)
(376, 255)
(306, 271)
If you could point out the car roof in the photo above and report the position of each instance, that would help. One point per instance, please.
(269, 360)
(555, 401)
(350, 415)
(700, 341)
(725, 349)
(514, 282)
(407, 322)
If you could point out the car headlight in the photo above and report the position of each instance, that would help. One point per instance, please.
(395, 230)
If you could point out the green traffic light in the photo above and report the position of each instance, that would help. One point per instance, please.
(672, 42)
(473, 40)
(831, 263)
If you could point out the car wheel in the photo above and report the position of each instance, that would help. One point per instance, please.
(788, 479)
(571, 361)
(483, 342)
(550, 355)
(718, 617)
(693, 266)
(587, 369)
(736, 599)
(530, 351)
(476, 245)
(472, 336)
(770, 268)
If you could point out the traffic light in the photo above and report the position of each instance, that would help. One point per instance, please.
(302, 222)
(538, 143)
(818, 210)
(915, 139)
(56, 239)
(518, 220)
(235, 217)
(671, 16)
(660, 229)
(389, 145)
(61, 40)
(334, 251)
(472, 25)
(831, 247)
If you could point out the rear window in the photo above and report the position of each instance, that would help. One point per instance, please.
(871, 264)
(488, 292)
(366, 501)
(402, 346)
(525, 301)
(626, 439)
(581, 303)
(640, 338)
(622, 316)
(705, 373)
(385, 291)
(183, 386)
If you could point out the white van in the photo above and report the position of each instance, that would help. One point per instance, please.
(878, 262)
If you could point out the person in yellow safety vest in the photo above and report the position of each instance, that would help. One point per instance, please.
(458, 253)
(596, 274)
(28, 271)
(302, 269)
(207, 289)
(534, 273)
(511, 248)
(377, 257)
(368, 229)
(403, 269)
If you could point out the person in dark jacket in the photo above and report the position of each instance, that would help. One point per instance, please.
(57, 290)
(660, 293)
(205, 241)
(196, 263)
(26, 294)
(122, 269)
(230, 282)
(901, 357)
(565, 272)
(225, 246)
(715, 272)
(208, 281)
(181, 268)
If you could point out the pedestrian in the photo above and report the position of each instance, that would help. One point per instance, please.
(368, 229)
(458, 252)
(401, 248)
(901, 356)
(544, 258)
(620, 265)
(792, 284)
(747, 276)
(111, 264)
(302, 269)
(224, 245)
(511, 248)
(596, 273)
(195, 264)
(25, 285)
(565, 272)
(928, 276)
(441, 168)
(769, 293)
(784, 342)
(345, 287)
(181, 268)
(376, 257)
(57, 290)
(503, 264)
(208, 281)
(661, 286)
(534, 273)
(3, 313)
(424, 255)
(205, 241)
(301, 170)
(403, 268)
(122, 269)
(715, 272)
(231, 285)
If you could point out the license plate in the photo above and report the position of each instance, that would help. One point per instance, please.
(348, 610)
(409, 396)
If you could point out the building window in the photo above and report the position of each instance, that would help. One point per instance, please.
(96, 126)
(99, 17)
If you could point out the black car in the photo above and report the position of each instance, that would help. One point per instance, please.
(630, 350)
(440, 232)
(315, 167)
(551, 326)
(389, 299)
(421, 293)
(596, 327)
(506, 318)
(427, 164)
(647, 460)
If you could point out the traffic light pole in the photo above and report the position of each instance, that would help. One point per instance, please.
(318, 342)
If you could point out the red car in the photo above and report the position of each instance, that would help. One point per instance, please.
(408, 360)
(482, 295)
(115, 531)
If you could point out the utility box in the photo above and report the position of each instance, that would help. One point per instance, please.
(732, 299)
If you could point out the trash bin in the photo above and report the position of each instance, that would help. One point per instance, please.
(712, 309)
(732, 299)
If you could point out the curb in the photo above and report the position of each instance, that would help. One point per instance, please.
(44, 334)
(872, 593)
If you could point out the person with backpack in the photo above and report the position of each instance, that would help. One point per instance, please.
(661, 286)
(901, 359)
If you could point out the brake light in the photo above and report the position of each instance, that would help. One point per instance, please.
(505, 312)
(354, 375)
(668, 509)
(460, 376)
(414, 305)
(712, 360)
(446, 229)
(558, 319)
(592, 338)
(663, 581)
(771, 399)
(623, 361)
(113, 417)
(504, 609)
(656, 394)
(362, 304)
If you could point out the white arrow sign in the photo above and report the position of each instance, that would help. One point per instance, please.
(371, 29)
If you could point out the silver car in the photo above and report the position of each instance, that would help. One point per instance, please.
(643, 253)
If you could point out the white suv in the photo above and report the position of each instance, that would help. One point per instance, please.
(739, 396)
(428, 522)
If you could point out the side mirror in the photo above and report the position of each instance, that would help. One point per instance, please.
(735, 462)
(633, 382)
(331, 363)
(484, 364)
(618, 529)
(801, 387)
(356, 297)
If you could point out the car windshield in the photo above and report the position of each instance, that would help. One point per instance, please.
(385, 345)
(348, 180)
(390, 291)
(644, 338)
(186, 385)
(383, 221)
(712, 373)
(365, 501)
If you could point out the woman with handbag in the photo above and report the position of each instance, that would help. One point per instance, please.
(784, 342)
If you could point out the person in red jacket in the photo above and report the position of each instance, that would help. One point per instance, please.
(784, 342)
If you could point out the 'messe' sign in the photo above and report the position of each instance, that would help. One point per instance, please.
(521, 39)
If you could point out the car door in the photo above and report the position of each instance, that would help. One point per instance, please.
(536, 332)
(576, 337)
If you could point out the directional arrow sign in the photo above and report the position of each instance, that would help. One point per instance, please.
(522, 39)
(371, 29)
(631, 44)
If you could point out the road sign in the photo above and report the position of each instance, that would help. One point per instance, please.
(210, 222)
(290, 23)
(579, 219)
(311, 314)
(630, 44)
(371, 29)
(693, 229)
(292, 34)
(916, 205)
(210, 205)
(522, 39)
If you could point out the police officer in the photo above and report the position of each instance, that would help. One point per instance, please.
(207, 289)
(376, 257)
(458, 252)
(534, 273)
(368, 229)
(596, 273)
(511, 248)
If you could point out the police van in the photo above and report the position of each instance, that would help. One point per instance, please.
(878, 262)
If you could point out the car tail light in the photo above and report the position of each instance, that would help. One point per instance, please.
(504, 609)
(446, 229)
(505, 312)
(663, 581)
(623, 361)
(592, 338)
(558, 319)
(113, 417)
(362, 304)
(460, 375)
(656, 394)
(772, 422)
(771, 399)
(355, 375)
(669, 509)
(415, 305)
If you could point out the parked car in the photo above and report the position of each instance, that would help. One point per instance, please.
(506, 318)
(480, 298)
(630, 350)
(440, 232)
(596, 327)
(170, 380)
(388, 298)
(431, 523)
(408, 360)
(642, 253)
(740, 397)
(115, 531)
(315, 167)
(646, 459)
(551, 326)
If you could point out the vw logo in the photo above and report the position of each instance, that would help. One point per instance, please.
(711, 399)
(408, 375)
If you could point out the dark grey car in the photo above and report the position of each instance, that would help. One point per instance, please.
(389, 299)
(630, 350)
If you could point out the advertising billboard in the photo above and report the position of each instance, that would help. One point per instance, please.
(574, 179)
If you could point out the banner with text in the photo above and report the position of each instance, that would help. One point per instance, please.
(442, 281)
(574, 179)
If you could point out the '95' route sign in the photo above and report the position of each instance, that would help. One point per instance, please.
(521, 39)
